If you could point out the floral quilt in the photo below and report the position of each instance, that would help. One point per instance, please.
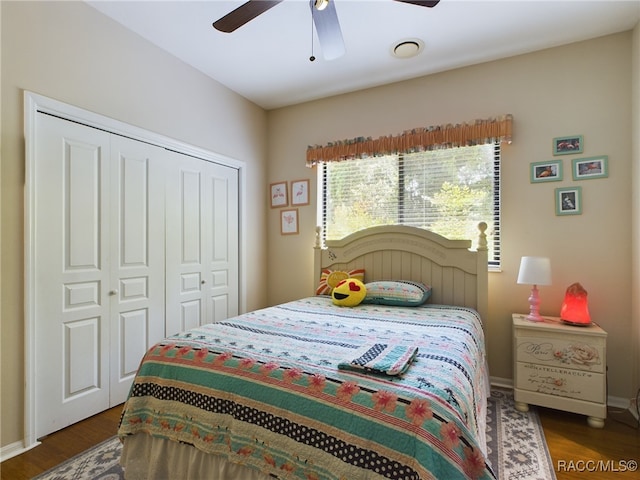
(264, 390)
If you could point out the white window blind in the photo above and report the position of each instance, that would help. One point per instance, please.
(448, 191)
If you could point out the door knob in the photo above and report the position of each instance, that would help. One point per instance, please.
(113, 292)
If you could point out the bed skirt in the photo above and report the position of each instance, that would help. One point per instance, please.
(145, 457)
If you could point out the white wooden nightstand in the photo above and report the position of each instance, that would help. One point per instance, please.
(560, 366)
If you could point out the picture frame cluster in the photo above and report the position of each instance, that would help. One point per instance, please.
(568, 200)
(289, 194)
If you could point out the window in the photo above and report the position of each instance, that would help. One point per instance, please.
(448, 191)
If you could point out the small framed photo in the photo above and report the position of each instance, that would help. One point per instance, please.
(278, 192)
(567, 145)
(569, 201)
(289, 222)
(593, 167)
(300, 192)
(550, 171)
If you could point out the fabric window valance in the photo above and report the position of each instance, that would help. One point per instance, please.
(415, 140)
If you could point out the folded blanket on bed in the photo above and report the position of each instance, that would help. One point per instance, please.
(381, 358)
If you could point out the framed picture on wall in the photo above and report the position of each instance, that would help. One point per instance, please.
(593, 167)
(550, 171)
(300, 192)
(278, 192)
(567, 145)
(569, 201)
(289, 222)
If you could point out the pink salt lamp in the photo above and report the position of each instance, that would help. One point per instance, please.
(575, 310)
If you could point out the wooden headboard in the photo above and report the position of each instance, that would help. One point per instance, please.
(457, 275)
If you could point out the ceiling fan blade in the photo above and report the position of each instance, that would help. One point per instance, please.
(328, 29)
(243, 14)
(421, 3)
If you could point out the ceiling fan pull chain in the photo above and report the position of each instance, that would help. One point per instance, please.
(312, 57)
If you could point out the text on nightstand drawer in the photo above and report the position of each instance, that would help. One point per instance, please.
(561, 382)
(561, 352)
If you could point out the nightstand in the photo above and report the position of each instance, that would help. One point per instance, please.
(560, 366)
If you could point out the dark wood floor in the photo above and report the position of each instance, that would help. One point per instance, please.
(580, 452)
(575, 448)
(62, 445)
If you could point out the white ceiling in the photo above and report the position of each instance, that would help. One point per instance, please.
(267, 60)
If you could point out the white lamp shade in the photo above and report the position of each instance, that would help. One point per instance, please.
(535, 271)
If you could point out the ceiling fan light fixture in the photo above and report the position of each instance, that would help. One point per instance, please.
(320, 4)
(407, 48)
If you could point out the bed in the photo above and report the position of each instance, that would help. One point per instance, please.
(270, 393)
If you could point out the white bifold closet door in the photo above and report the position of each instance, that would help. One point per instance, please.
(132, 243)
(202, 243)
(99, 287)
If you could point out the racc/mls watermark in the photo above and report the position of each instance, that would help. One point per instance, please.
(596, 466)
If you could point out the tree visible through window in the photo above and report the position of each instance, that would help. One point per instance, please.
(448, 191)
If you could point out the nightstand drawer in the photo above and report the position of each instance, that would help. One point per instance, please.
(560, 350)
(560, 382)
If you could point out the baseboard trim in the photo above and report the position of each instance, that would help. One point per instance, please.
(501, 382)
(618, 402)
(14, 449)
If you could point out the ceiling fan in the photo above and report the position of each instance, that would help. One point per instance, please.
(324, 16)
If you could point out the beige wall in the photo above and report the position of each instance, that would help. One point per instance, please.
(635, 175)
(70, 52)
(583, 88)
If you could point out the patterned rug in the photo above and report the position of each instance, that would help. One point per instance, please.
(515, 441)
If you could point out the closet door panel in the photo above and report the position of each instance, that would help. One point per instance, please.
(222, 285)
(71, 306)
(184, 237)
(83, 178)
(202, 243)
(82, 356)
(137, 257)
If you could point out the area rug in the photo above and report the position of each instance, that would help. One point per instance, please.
(515, 442)
(516, 445)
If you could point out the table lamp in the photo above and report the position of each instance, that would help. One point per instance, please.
(534, 271)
